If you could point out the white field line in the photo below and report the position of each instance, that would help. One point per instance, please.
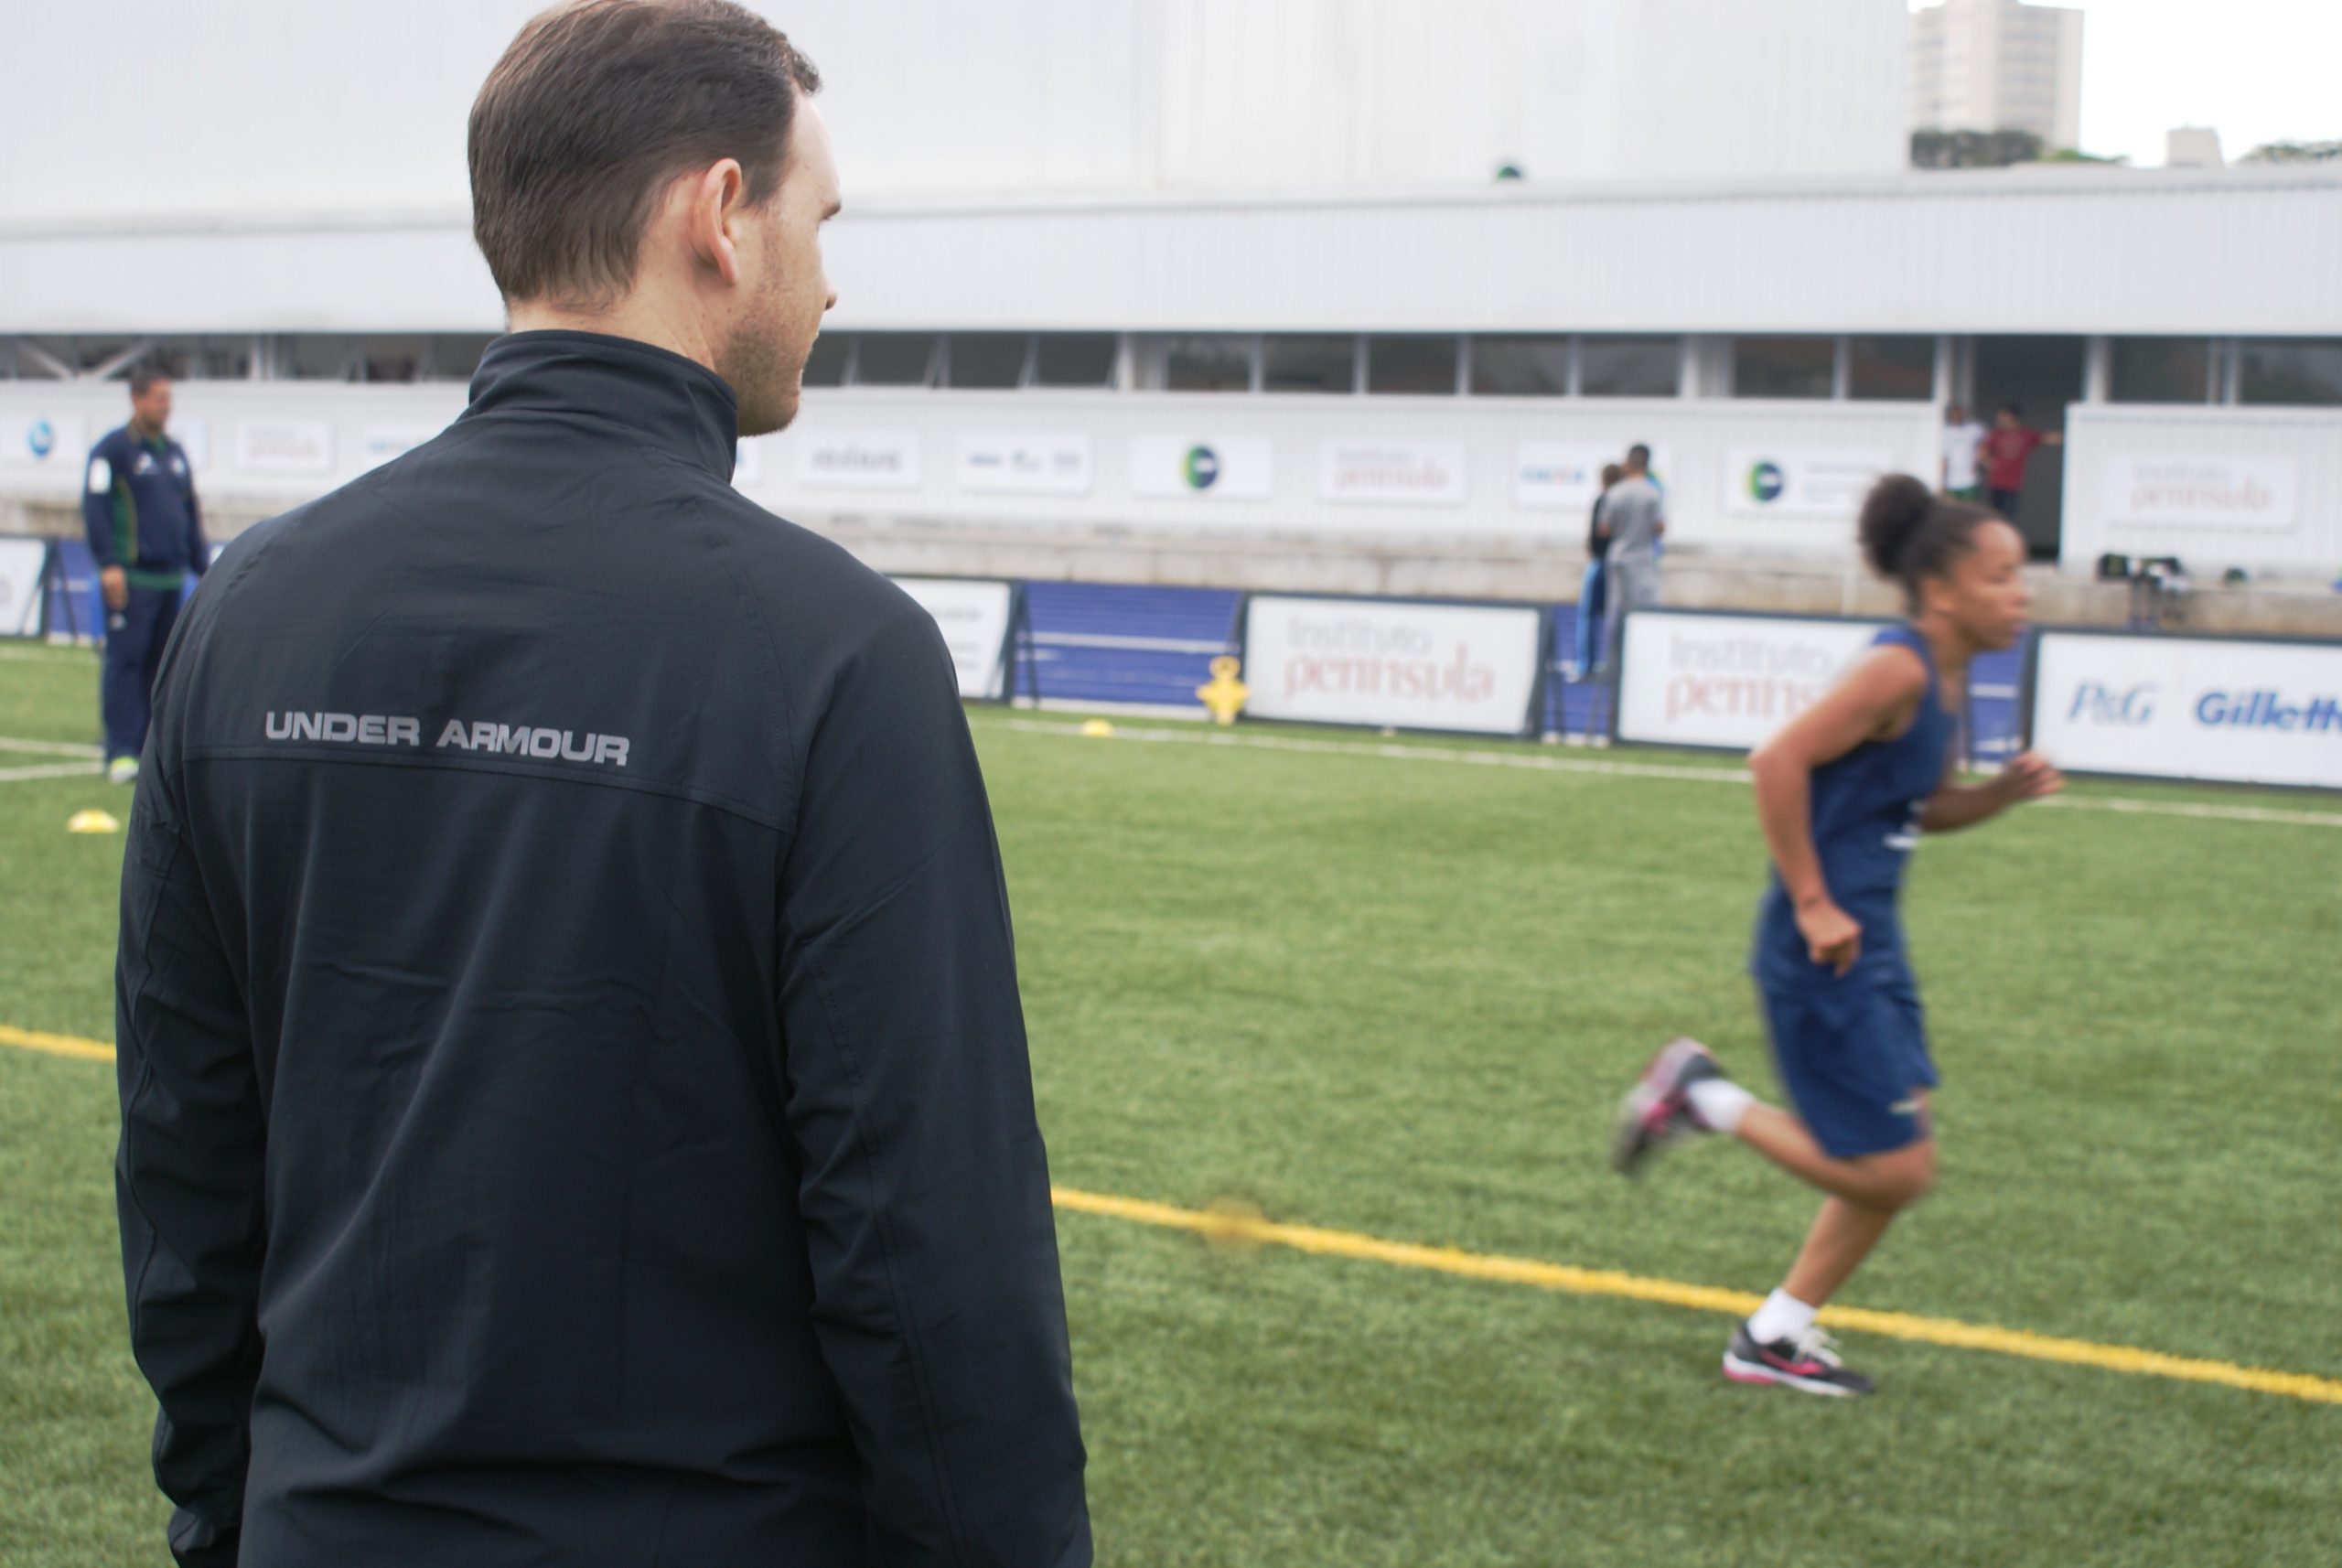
(51, 747)
(50, 770)
(1535, 763)
(2189, 808)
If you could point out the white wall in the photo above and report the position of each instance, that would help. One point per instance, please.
(292, 106)
(354, 427)
(2214, 252)
(1705, 445)
(2255, 487)
(1703, 450)
(1382, 92)
(1697, 443)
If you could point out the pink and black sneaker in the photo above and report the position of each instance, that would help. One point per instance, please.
(1657, 1111)
(1809, 1364)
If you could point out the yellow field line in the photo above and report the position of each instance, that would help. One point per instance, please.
(1229, 1225)
(55, 1045)
(1226, 1227)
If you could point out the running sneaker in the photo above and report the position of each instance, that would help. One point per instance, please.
(123, 770)
(1657, 1111)
(1809, 1364)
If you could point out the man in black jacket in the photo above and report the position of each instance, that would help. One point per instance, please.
(576, 1106)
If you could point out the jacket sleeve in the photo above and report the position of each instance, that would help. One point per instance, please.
(99, 477)
(924, 1185)
(187, 1175)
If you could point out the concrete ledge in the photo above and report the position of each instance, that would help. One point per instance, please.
(1424, 568)
(1798, 585)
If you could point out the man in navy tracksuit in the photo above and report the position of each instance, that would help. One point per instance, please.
(146, 534)
(576, 1106)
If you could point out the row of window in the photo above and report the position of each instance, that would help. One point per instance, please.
(238, 357)
(1893, 367)
(1397, 364)
(1875, 367)
(2277, 370)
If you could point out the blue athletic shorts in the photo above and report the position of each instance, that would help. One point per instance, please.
(1853, 1053)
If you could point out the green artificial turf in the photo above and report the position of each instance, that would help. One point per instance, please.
(1401, 996)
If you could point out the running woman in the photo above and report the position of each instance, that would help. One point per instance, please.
(1843, 792)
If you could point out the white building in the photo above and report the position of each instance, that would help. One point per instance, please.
(1156, 343)
(1997, 65)
(2192, 147)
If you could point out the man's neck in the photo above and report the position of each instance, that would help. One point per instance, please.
(642, 320)
(143, 431)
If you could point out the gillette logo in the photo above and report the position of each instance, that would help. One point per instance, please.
(2269, 710)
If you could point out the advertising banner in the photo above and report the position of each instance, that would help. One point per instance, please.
(1552, 477)
(2254, 494)
(2238, 712)
(1391, 664)
(283, 446)
(44, 441)
(1689, 678)
(857, 460)
(1047, 464)
(974, 617)
(1766, 482)
(21, 561)
(194, 437)
(1210, 467)
(1398, 473)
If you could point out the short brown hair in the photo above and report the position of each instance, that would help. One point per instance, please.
(143, 378)
(595, 108)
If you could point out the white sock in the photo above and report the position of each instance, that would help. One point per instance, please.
(1782, 1316)
(1718, 1102)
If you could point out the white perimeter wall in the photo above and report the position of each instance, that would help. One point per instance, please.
(1703, 448)
(2280, 468)
(2263, 487)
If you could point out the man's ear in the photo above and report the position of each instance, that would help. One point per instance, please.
(716, 202)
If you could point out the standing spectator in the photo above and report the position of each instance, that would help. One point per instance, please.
(1634, 515)
(1961, 437)
(1590, 589)
(2007, 447)
(146, 534)
(574, 1098)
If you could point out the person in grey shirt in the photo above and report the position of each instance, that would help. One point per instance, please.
(1633, 514)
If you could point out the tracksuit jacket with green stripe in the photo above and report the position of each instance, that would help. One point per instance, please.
(139, 510)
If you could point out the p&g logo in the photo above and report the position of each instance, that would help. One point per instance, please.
(2097, 703)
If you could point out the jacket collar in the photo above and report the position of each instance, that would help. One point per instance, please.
(656, 395)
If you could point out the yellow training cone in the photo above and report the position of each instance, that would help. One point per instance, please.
(92, 821)
(1097, 729)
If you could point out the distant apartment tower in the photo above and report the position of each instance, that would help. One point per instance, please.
(1997, 65)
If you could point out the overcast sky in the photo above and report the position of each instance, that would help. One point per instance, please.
(2257, 70)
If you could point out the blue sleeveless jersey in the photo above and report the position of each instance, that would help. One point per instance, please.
(1865, 824)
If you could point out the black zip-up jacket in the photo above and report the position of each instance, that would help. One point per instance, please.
(575, 1098)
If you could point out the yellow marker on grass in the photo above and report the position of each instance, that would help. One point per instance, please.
(1225, 692)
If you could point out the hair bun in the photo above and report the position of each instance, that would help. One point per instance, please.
(1892, 515)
